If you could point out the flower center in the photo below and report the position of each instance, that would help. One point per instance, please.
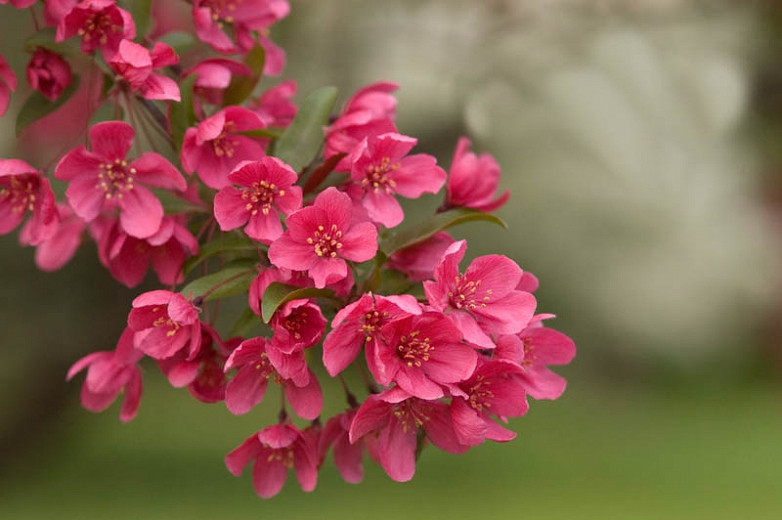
(97, 27)
(414, 351)
(21, 193)
(465, 294)
(529, 352)
(409, 418)
(295, 322)
(371, 322)
(264, 366)
(115, 178)
(480, 394)
(260, 197)
(165, 321)
(222, 10)
(222, 144)
(378, 178)
(326, 242)
(282, 455)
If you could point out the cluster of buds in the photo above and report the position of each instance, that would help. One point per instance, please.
(296, 210)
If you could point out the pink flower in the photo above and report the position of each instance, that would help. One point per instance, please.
(48, 73)
(211, 16)
(275, 106)
(473, 180)
(100, 23)
(297, 325)
(23, 189)
(380, 169)
(267, 190)
(496, 388)
(7, 84)
(397, 418)
(419, 260)
(421, 353)
(104, 180)
(273, 451)
(275, 55)
(484, 299)
(360, 322)
(108, 374)
(135, 64)
(321, 237)
(295, 278)
(57, 250)
(248, 386)
(347, 456)
(164, 323)
(214, 76)
(216, 146)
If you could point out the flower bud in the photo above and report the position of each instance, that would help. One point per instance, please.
(48, 73)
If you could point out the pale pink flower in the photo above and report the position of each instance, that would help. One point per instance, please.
(164, 323)
(347, 456)
(397, 418)
(57, 250)
(108, 374)
(135, 64)
(482, 301)
(216, 146)
(48, 73)
(267, 190)
(360, 322)
(102, 179)
(273, 451)
(380, 169)
(321, 237)
(248, 387)
(99, 23)
(23, 189)
(473, 180)
(211, 16)
(7, 84)
(419, 260)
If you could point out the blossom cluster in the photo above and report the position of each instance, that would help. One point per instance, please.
(296, 209)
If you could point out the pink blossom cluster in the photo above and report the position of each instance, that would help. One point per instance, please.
(213, 181)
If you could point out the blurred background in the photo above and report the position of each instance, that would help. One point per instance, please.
(641, 142)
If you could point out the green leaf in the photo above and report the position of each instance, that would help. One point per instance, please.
(271, 132)
(412, 235)
(46, 38)
(180, 41)
(224, 244)
(300, 142)
(230, 281)
(245, 323)
(141, 10)
(182, 113)
(172, 204)
(278, 294)
(242, 86)
(37, 106)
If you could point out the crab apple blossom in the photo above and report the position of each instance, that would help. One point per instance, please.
(108, 374)
(473, 180)
(243, 16)
(23, 189)
(267, 189)
(103, 179)
(216, 146)
(347, 456)
(273, 451)
(213, 75)
(484, 300)
(99, 23)
(321, 237)
(275, 106)
(48, 73)
(8, 84)
(165, 323)
(254, 370)
(380, 169)
(360, 322)
(135, 64)
(419, 260)
(57, 250)
(295, 278)
(297, 325)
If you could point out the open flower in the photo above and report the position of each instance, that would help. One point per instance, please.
(100, 24)
(164, 323)
(23, 189)
(135, 64)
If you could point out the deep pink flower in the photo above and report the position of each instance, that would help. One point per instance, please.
(360, 322)
(347, 456)
(248, 386)
(295, 278)
(7, 84)
(274, 63)
(164, 323)
(483, 300)
(267, 189)
(321, 237)
(23, 189)
(100, 24)
(243, 16)
(108, 374)
(419, 260)
(473, 180)
(275, 106)
(397, 418)
(128, 258)
(297, 325)
(48, 73)
(214, 76)
(135, 64)
(104, 180)
(496, 388)
(55, 251)
(376, 99)
(216, 146)
(381, 169)
(273, 451)
(420, 354)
